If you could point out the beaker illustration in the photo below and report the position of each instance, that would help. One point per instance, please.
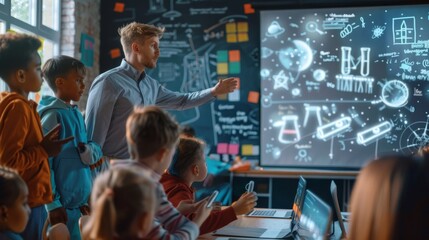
(289, 131)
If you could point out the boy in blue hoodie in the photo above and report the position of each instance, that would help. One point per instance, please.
(71, 176)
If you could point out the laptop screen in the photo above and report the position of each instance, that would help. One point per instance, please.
(316, 217)
(299, 198)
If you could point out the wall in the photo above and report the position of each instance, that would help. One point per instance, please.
(81, 16)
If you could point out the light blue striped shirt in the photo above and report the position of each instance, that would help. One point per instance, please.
(114, 94)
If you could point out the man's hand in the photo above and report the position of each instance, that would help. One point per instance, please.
(225, 86)
(58, 215)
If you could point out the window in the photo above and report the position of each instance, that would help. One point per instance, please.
(37, 17)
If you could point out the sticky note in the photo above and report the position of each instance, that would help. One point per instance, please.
(234, 55)
(234, 67)
(119, 7)
(222, 68)
(231, 27)
(222, 56)
(243, 27)
(247, 149)
(248, 9)
(233, 149)
(222, 148)
(234, 96)
(222, 97)
(253, 97)
(231, 37)
(243, 37)
(115, 53)
(255, 150)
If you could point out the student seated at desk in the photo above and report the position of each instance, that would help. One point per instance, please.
(390, 200)
(189, 166)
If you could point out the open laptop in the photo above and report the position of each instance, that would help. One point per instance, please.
(284, 213)
(337, 210)
(316, 218)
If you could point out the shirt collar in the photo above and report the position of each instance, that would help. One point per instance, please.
(131, 71)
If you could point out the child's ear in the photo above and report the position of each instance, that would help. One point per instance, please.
(3, 213)
(161, 154)
(196, 170)
(20, 75)
(59, 81)
(144, 223)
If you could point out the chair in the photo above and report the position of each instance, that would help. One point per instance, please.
(57, 232)
(82, 222)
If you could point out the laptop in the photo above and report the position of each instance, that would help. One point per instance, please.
(316, 218)
(284, 213)
(337, 209)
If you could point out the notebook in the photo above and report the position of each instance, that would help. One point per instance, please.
(264, 233)
(337, 209)
(283, 213)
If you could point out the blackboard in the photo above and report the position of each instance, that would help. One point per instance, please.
(204, 41)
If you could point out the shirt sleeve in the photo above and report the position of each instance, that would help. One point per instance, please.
(174, 100)
(15, 129)
(169, 223)
(218, 219)
(50, 120)
(101, 102)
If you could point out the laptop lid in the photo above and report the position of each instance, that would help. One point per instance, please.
(337, 210)
(315, 218)
(298, 201)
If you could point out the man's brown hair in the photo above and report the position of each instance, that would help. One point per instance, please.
(150, 129)
(138, 32)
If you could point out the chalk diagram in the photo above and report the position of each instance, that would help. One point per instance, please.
(414, 136)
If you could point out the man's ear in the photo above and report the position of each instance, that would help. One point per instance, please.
(135, 47)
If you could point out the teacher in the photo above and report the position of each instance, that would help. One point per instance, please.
(114, 93)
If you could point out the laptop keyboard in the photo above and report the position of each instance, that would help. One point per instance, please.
(268, 213)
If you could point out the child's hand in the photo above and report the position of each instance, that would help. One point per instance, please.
(202, 212)
(245, 203)
(52, 144)
(58, 215)
(186, 206)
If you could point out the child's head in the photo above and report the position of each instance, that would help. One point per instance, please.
(123, 202)
(65, 76)
(20, 62)
(14, 209)
(152, 134)
(189, 160)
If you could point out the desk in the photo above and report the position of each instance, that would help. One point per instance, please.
(274, 223)
(270, 177)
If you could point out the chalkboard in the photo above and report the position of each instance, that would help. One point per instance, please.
(204, 42)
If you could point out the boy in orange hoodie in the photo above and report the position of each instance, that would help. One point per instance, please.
(22, 144)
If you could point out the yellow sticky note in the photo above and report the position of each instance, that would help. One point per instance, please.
(222, 68)
(247, 149)
(243, 27)
(243, 37)
(231, 27)
(231, 37)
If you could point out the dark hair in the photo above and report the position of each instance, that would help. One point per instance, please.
(59, 66)
(16, 51)
(187, 153)
(187, 131)
(148, 130)
(11, 184)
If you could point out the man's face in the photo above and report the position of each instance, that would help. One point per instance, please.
(148, 53)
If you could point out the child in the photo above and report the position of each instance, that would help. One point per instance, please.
(123, 203)
(22, 145)
(189, 166)
(152, 135)
(14, 209)
(70, 172)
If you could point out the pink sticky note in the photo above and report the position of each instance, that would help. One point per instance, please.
(222, 148)
(233, 149)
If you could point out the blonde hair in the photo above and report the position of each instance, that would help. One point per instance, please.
(383, 192)
(150, 129)
(119, 196)
(135, 31)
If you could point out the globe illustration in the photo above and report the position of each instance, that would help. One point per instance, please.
(296, 55)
